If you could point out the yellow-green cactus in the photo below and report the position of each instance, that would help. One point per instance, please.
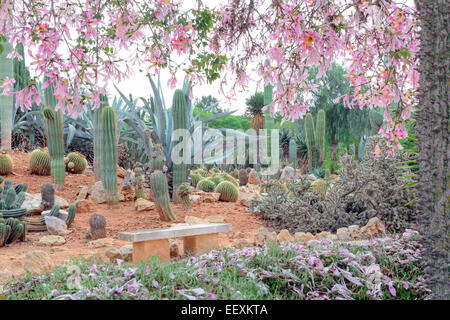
(39, 162)
(6, 163)
(75, 162)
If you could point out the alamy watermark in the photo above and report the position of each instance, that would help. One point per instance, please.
(227, 147)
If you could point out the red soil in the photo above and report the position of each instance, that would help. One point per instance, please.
(122, 218)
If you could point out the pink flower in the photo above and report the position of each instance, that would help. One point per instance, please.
(377, 151)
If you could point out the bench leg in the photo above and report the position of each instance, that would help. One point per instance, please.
(201, 244)
(144, 249)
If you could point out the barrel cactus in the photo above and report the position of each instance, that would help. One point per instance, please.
(158, 183)
(6, 163)
(206, 185)
(109, 154)
(76, 162)
(228, 191)
(227, 177)
(183, 192)
(195, 178)
(243, 177)
(39, 162)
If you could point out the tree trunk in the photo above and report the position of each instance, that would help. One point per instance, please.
(433, 139)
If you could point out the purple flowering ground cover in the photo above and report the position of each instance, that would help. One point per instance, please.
(387, 268)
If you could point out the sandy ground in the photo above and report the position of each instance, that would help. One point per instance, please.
(121, 218)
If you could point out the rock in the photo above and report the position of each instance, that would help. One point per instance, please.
(56, 226)
(272, 236)
(323, 235)
(355, 232)
(121, 172)
(5, 276)
(103, 242)
(242, 243)
(311, 177)
(33, 201)
(195, 199)
(113, 254)
(303, 237)
(82, 195)
(284, 236)
(287, 174)
(51, 240)
(83, 206)
(126, 252)
(97, 193)
(191, 220)
(373, 227)
(174, 250)
(148, 194)
(93, 257)
(253, 177)
(144, 205)
(343, 234)
(241, 235)
(62, 215)
(37, 262)
(215, 219)
(261, 236)
(207, 197)
(97, 224)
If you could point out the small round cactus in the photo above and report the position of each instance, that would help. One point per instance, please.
(39, 162)
(228, 191)
(195, 178)
(6, 163)
(206, 185)
(202, 172)
(216, 179)
(243, 177)
(227, 177)
(183, 192)
(75, 162)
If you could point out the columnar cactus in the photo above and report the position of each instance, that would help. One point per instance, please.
(97, 119)
(139, 183)
(293, 152)
(39, 162)
(315, 138)
(109, 154)
(76, 162)
(6, 163)
(228, 191)
(183, 192)
(54, 131)
(6, 101)
(71, 214)
(243, 177)
(180, 121)
(11, 229)
(158, 183)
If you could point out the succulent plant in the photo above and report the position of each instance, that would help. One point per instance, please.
(228, 191)
(6, 163)
(39, 162)
(71, 214)
(11, 229)
(243, 177)
(75, 162)
(158, 183)
(139, 183)
(180, 121)
(315, 138)
(183, 192)
(6, 101)
(12, 198)
(216, 179)
(109, 154)
(206, 185)
(195, 178)
(227, 177)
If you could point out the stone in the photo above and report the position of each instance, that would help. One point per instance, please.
(287, 174)
(97, 224)
(303, 237)
(56, 226)
(241, 243)
(5, 276)
(126, 252)
(62, 215)
(144, 205)
(97, 193)
(195, 199)
(311, 177)
(103, 242)
(113, 254)
(37, 262)
(83, 194)
(284, 236)
(207, 197)
(93, 257)
(343, 234)
(148, 194)
(83, 206)
(323, 235)
(32, 202)
(121, 172)
(174, 250)
(143, 250)
(253, 177)
(51, 240)
(373, 227)
(215, 219)
(355, 232)
(202, 243)
(261, 236)
(191, 220)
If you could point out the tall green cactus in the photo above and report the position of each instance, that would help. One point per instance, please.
(315, 138)
(21, 74)
(293, 152)
(96, 119)
(54, 131)
(180, 121)
(158, 184)
(269, 122)
(109, 154)
(6, 101)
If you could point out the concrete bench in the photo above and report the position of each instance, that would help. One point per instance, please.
(199, 238)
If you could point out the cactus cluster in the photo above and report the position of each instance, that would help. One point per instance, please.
(206, 185)
(11, 229)
(315, 138)
(54, 212)
(39, 162)
(228, 191)
(75, 162)
(195, 178)
(12, 198)
(6, 163)
(109, 154)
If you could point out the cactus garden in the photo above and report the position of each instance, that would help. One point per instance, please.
(288, 150)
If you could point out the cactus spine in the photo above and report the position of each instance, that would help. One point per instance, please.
(109, 154)
(97, 118)
(6, 101)
(179, 122)
(315, 138)
(228, 191)
(39, 162)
